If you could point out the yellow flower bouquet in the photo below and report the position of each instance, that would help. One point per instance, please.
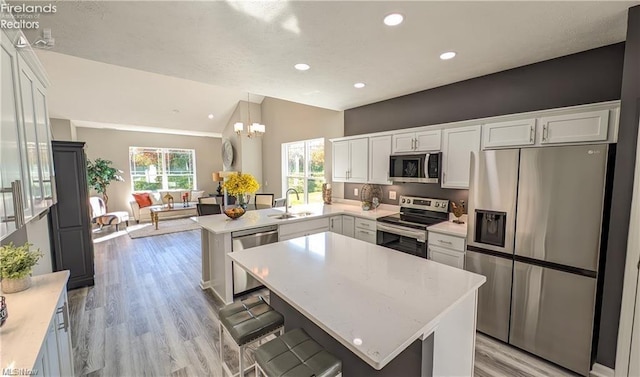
(240, 184)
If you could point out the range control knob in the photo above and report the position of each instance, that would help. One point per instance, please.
(437, 204)
(408, 201)
(403, 200)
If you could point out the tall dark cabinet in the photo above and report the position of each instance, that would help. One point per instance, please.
(70, 218)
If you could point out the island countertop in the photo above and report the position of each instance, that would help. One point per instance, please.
(30, 314)
(375, 301)
(254, 219)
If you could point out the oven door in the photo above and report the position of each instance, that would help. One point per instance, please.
(407, 240)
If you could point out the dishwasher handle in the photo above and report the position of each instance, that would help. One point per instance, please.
(256, 235)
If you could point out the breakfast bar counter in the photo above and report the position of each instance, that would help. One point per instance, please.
(380, 311)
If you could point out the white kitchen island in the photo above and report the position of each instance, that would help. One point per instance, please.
(380, 311)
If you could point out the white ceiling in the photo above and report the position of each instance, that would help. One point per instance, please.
(252, 46)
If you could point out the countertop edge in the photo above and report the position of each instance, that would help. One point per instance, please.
(427, 329)
(339, 212)
(37, 331)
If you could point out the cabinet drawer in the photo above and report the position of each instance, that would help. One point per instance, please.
(443, 240)
(445, 256)
(365, 224)
(366, 235)
(316, 225)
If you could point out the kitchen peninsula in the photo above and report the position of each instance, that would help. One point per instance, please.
(383, 313)
(217, 267)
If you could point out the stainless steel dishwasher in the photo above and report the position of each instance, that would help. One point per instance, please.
(246, 239)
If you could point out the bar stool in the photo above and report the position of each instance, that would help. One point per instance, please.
(295, 354)
(247, 321)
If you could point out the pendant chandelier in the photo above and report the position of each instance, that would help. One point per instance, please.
(253, 129)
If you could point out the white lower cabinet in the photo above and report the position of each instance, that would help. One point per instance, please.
(446, 249)
(365, 230)
(446, 256)
(348, 226)
(56, 354)
(335, 224)
(342, 225)
(303, 228)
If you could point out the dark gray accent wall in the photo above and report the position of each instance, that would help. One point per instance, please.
(622, 194)
(586, 77)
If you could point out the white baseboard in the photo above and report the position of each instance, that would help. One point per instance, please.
(205, 285)
(599, 370)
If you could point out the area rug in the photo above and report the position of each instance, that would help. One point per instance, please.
(164, 227)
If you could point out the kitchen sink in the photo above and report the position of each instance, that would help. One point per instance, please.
(284, 216)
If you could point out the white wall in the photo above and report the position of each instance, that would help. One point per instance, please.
(114, 145)
(247, 151)
(289, 121)
(38, 235)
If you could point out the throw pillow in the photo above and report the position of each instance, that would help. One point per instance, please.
(196, 194)
(156, 198)
(143, 199)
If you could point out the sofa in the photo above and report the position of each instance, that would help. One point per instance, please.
(158, 199)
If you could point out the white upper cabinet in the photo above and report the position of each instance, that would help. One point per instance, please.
(404, 142)
(358, 156)
(457, 145)
(379, 152)
(340, 161)
(509, 134)
(350, 160)
(422, 141)
(428, 141)
(572, 128)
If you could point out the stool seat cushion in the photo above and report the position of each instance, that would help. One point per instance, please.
(296, 354)
(250, 319)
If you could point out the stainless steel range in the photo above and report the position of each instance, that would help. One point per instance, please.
(407, 231)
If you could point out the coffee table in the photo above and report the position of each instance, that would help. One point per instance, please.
(155, 211)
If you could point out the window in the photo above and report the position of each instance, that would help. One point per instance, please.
(303, 170)
(162, 168)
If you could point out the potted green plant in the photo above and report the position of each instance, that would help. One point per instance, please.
(16, 264)
(100, 174)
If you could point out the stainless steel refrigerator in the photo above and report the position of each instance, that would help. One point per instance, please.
(535, 228)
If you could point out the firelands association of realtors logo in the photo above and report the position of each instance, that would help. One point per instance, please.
(23, 16)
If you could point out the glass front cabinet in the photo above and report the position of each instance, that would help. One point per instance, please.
(26, 164)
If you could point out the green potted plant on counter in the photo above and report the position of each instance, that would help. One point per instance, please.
(16, 264)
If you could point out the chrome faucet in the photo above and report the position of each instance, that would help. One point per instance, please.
(286, 200)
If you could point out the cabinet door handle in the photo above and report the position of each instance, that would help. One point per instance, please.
(365, 224)
(416, 144)
(445, 242)
(545, 132)
(531, 134)
(413, 144)
(65, 317)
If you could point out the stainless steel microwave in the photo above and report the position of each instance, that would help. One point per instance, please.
(416, 168)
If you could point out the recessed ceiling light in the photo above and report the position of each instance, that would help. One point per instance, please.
(359, 85)
(302, 66)
(210, 116)
(393, 19)
(447, 55)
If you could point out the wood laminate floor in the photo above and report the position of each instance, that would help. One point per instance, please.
(147, 316)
